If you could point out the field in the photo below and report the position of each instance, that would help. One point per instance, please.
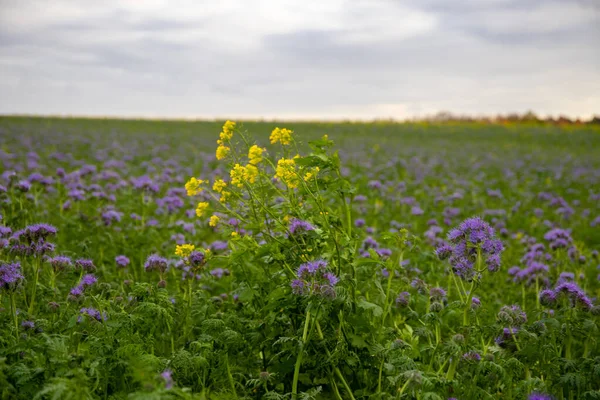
(382, 261)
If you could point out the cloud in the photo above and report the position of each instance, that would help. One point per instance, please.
(355, 59)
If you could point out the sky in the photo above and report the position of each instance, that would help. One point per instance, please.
(299, 59)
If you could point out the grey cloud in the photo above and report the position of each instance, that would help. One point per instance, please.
(116, 62)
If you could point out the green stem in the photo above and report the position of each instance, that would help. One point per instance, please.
(13, 307)
(229, 377)
(35, 282)
(299, 359)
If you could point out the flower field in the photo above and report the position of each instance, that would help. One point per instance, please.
(230, 260)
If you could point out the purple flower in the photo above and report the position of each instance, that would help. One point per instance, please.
(196, 258)
(444, 251)
(548, 297)
(539, 396)
(437, 293)
(166, 375)
(10, 276)
(85, 264)
(472, 356)
(475, 303)
(88, 280)
(403, 299)
(575, 294)
(219, 272)
(299, 226)
(314, 279)
(93, 313)
(28, 325)
(122, 261)
(471, 238)
(60, 263)
(154, 262)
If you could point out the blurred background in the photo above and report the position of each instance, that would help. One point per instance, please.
(293, 59)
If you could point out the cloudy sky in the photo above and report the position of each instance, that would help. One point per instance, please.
(356, 59)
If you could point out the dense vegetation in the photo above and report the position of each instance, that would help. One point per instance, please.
(140, 259)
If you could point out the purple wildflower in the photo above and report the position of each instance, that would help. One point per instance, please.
(539, 396)
(299, 226)
(10, 276)
(28, 325)
(85, 264)
(60, 263)
(166, 375)
(122, 261)
(403, 299)
(154, 262)
(93, 313)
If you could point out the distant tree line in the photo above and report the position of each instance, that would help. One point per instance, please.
(528, 117)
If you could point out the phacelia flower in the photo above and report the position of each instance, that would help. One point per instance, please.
(84, 264)
(154, 262)
(473, 237)
(93, 313)
(314, 279)
(403, 299)
(167, 377)
(122, 261)
(60, 263)
(299, 226)
(10, 276)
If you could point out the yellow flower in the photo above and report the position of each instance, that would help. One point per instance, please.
(281, 135)
(250, 173)
(286, 171)
(238, 175)
(214, 220)
(234, 234)
(310, 175)
(227, 132)
(222, 152)
(219, 185)
(255, 154)
(193, 186)
(184, 250)
(201, 208)
(224, 196)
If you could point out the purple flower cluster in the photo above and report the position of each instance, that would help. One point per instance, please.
(297, 226)
(10, 276)
(558, 238)
(314, 279)
(60, 263)
(85, 265)
(154, 262)
(93, 313)
(571, 291)
(79, 290)
(403, 299)
(31, 241)
(473, 237)
(122, 261)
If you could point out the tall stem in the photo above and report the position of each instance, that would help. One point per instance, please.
(13, 307)
(299, 359)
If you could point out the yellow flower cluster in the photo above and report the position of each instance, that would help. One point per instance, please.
(201, 208)
(240, 174)
(309, 175)
(184, 250)
(222, 150)
(227, 132)
(281, 135)
(224, 137)
(193, 186)
(286, 171)
(255, 155)
(214, 220)
(219, 185)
